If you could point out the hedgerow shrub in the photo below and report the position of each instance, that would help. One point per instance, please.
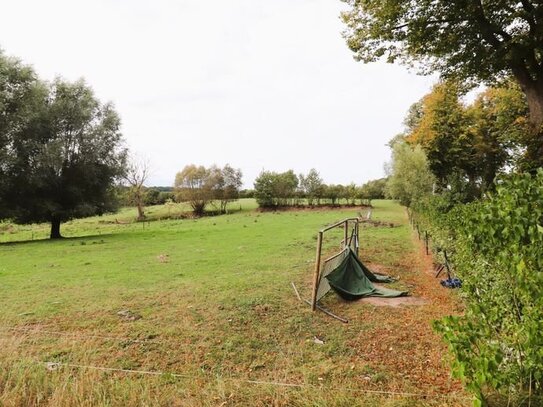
(498, 342)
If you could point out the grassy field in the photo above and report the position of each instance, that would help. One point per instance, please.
(220, 324)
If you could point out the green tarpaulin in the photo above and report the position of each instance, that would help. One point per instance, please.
(351, 279)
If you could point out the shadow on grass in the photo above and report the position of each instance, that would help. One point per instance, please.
(62, 239)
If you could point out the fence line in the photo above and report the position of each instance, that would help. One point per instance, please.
(52, 366)
(56, 365)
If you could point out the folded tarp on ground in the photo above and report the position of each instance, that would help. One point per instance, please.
(351, 279)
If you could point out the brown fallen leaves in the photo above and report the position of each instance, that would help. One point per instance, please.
(402, 352)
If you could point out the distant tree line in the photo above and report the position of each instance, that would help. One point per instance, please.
(205, 189)
(274, 190)
(471, 182)
(457, 150)
(204, 186)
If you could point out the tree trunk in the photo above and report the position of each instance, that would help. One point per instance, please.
(534, 95)
(533, 89)
(55, 229)
(141, 212)
(533, 158)
(534, 151)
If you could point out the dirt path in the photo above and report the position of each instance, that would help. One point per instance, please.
(401, 351)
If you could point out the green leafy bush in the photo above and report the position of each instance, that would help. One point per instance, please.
(498, 244)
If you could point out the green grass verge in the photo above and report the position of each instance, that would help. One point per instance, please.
(216, 305)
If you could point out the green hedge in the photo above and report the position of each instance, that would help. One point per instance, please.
(497, 249)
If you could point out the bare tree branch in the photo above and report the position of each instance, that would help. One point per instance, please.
(137, 174)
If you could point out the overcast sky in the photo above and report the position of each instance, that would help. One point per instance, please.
(257, 84)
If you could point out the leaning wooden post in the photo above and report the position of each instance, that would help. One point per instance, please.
(345, 233)
(317, 272)
(447, 264)
(357, 242)
(426, 242)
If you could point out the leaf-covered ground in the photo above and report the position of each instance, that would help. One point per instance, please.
(208, 303)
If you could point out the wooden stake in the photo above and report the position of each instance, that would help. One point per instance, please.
(439, 270)
(345, 234)
(296, 291)
(357, 238)
(447, 264)
(426, 242)
(316, 273)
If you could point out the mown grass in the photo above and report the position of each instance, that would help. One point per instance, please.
(216, 308)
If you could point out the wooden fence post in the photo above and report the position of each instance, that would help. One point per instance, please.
(317, 272)
(345, 233)
(426, 242)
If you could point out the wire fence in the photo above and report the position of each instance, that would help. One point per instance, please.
(55, 366)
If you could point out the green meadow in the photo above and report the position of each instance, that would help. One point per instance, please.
(201, 312)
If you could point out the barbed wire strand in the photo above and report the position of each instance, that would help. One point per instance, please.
(55, 365)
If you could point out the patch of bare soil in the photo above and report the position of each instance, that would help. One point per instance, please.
(393, 302)
(402, 345)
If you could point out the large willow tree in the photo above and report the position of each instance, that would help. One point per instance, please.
(61, 149)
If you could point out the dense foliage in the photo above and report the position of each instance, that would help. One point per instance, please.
(410, 177)
(468, 40)
(151, 195)
(465, 146)
(498, 247)
(458, 168)
(276, 189)
(20, 95)
(61, 149)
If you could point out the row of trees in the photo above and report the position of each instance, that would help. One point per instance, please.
(451, 154)
(272, 189)
(456, 149)
(469, 41)
(200, 186)
(203, 187)
(61, 150)
(461, 170)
